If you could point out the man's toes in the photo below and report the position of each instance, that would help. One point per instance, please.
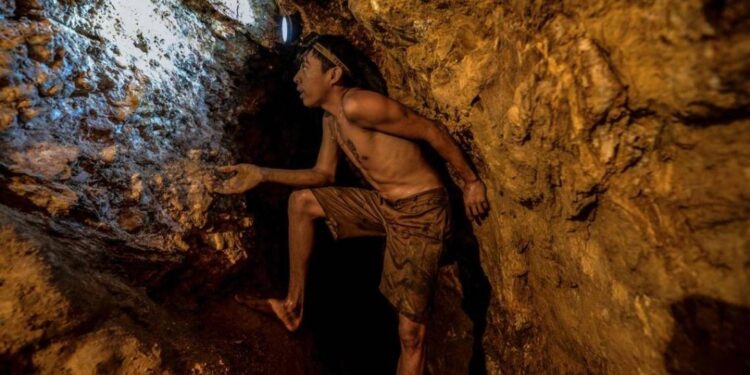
(292, 324)
(295, 320)
(290, 320)
(276, 307)
(292, 327)
(259, 304)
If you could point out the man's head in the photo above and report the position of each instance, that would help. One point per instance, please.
(329, 60)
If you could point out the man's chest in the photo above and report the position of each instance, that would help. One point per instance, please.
(356, 142)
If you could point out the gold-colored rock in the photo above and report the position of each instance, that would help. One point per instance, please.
(51, 90)
(45, 159)
(56, 198)
(180, 243)
(158, 181)
(25, 103)
(216, 240)
(136, 187)
(40, 53)
(84, 84)
(8, 42)
(131, 219)
(120, 114)
(108, 154)
(246, 222)
(8, 94)
(7, 116)
(39, 39)
(6, 59)
(195, 154)
(30, 113)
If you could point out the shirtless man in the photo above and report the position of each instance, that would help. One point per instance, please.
(408, 205)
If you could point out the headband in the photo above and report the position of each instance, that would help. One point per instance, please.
(331, 57)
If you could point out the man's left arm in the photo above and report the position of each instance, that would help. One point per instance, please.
(372, 110)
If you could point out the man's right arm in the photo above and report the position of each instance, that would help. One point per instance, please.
(323, 173)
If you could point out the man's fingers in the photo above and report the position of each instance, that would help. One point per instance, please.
(227, 168)
(227, 191)
(481, 212)
(474, 211)
(477, 217)
(225, 188)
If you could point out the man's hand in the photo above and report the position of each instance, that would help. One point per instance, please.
(247, 176)
(475, 200)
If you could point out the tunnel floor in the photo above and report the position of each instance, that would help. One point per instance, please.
(348, 327)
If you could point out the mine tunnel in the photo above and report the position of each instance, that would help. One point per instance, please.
(612, 140)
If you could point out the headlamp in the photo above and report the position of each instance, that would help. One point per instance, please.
(289, 28)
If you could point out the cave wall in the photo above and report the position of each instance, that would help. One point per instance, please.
(111, 115)
(613, 138)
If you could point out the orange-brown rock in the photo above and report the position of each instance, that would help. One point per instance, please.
(614, 140)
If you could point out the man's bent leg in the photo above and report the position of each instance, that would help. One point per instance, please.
(303, 210)
(412, 335)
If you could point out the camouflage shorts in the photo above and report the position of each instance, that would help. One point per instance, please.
(415, 228)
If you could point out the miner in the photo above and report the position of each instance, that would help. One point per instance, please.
(408, 203)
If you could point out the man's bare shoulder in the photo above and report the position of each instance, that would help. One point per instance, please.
(360, 104)
(358, 99)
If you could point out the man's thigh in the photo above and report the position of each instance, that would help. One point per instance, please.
(350, 212)
(417, 227)
(304, 201)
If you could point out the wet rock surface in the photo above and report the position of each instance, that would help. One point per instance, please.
(112, 116)
(118, 119)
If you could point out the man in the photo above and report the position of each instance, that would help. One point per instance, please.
(409, 204)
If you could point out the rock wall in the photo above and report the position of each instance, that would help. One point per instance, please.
(111, 115)
(614, 140)
(111, 111)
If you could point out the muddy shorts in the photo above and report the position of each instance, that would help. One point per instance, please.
(415, 228)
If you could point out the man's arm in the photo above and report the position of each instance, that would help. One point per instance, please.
(323, 173)
(374, 111)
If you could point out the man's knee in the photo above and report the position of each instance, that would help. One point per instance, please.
(411, 334)
(303, 202)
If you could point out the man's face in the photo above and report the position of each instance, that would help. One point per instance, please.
(312, 83)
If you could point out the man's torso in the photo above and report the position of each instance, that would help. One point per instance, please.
(394, 166)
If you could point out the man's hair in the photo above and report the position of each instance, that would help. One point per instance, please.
(363, 73)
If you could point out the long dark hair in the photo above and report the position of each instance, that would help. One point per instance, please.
(363, 73)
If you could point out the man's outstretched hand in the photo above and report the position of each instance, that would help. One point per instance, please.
(475, 200)
(246, 177)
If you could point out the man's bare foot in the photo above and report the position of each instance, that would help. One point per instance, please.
(280, 308)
